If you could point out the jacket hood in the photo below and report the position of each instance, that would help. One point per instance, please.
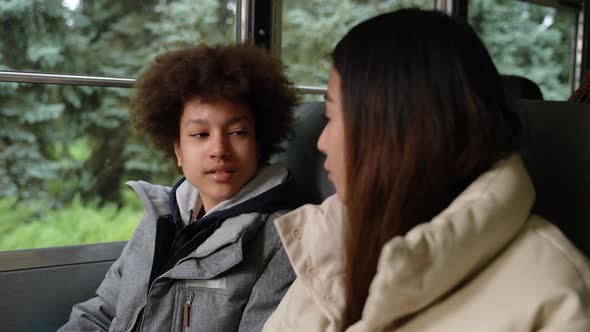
(155, 197)
(416, 269)
(268, 176)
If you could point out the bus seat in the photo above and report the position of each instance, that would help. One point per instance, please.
(302, 157)
(555, 149)
(40, 286)
(556, 153)
(521, 87)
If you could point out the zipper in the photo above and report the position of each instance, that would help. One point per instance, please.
(147, 302)
(142, 313)
(134, 319)
(143, 310)
(186, 310)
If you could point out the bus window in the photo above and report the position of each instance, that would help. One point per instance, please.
(530, 40)
(66, 150)
(311, 27)
(65, 154)
(107, 37)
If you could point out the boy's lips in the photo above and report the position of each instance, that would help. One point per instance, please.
(220, 174)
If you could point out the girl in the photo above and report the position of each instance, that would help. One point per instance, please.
(431, 226)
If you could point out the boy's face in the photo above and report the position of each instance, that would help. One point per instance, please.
(217, 148)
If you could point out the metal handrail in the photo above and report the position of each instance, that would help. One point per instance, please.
(311, 90)
(49, 78)
(119, 82)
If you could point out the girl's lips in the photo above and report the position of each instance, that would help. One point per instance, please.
(329, 173)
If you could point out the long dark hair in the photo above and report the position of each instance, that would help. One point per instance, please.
(424, 114)
(582, 93)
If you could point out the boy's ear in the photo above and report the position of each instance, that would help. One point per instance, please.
(178, 154)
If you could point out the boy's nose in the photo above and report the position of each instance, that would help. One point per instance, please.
(219, 148)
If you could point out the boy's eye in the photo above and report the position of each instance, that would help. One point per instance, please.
(199, 135)
(239, 132)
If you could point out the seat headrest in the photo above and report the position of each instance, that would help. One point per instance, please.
(303, 159)
(521, 87)
(556, 153)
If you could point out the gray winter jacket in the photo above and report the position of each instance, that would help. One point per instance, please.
(232, 282)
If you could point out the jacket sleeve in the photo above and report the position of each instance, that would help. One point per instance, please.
(97, 313)
(269, 289)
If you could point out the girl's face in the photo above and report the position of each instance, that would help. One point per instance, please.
(217, 148)
(331, 141)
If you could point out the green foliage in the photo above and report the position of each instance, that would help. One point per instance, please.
(65, 151)
(13, 215)
(43, 125)
(523, 39)
(530, 40)
(76, 223)
(312, 27)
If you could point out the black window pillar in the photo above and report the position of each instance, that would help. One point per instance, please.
(459, 9)
(585, 63)
(259, 22)
(456, 8)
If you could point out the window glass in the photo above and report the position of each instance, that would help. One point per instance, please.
(529, 40)
(305, 97)
(312, 27)
(106, 37)
(65, 153)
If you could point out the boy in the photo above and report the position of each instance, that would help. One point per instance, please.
(205, 256)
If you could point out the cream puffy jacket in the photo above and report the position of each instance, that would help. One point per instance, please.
(483, 264)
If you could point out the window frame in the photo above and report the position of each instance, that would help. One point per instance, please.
(581, 52)
(255, 20)
(26, 259)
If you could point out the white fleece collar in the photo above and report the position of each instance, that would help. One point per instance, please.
(268, 176)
